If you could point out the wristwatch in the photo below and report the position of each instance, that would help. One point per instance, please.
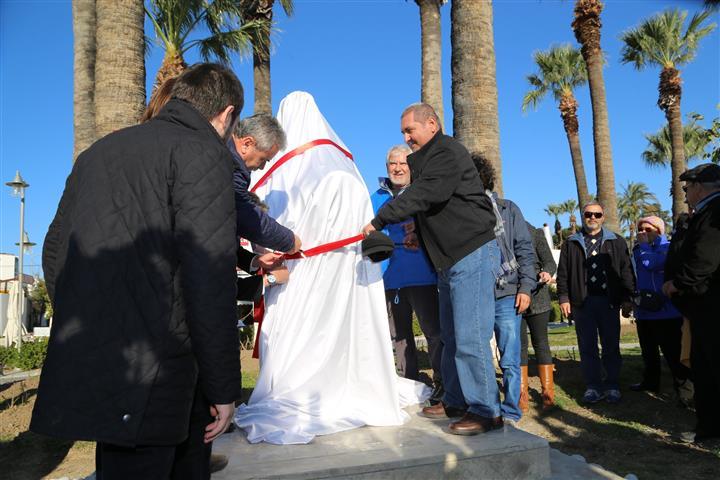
(271, 279)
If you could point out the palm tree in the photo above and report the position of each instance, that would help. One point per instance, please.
(586, 27)
(175, 20)
(474, 86)
(555, 210)
(634, 199)
(431, 91)
(262, 11)
(561, 70)
(659, 150)
(119, 65)
(570, 207)
(83, 14)
(661, 41)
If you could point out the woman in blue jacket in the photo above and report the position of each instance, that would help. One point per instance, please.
(658, 322)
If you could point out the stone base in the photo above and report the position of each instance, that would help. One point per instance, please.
(420, 449)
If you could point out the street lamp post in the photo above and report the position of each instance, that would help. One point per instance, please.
(19, 185)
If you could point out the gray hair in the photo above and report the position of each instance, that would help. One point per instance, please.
(422, 112)
(398, 149)
(592, 203)
(264, 129)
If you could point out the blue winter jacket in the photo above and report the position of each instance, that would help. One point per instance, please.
(253, 224)
(406, 268)
(524, 280)
(650, 269)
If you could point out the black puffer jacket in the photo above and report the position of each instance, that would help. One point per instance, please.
(140, 264)
(447, 199)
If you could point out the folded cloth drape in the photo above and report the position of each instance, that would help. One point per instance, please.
(325, 351)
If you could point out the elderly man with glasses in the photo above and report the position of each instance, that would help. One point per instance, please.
(595, 280)
(694, 287)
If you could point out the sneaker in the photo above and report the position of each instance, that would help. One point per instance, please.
(612, 396)
(686, 393)
(592, 396)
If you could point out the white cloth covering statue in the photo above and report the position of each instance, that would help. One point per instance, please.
(325, 351)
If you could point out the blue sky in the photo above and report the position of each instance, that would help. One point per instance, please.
(361, 61)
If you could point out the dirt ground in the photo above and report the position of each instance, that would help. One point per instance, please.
(640, 435)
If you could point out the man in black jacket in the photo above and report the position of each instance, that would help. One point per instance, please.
(140, 265)
(455, 223)
(693, 284)
(595, 280)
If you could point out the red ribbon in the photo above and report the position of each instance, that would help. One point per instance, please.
(325, 247)
(295, 152)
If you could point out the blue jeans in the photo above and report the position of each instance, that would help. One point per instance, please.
(597, 316)
(507, 335)
(467, 312)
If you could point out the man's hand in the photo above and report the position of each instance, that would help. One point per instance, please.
(565, 309)
(296, 246)
(282, 275)
(367, 229)
(267, 261)
(626, 308)
(223, 414)
(522, 302)
(544, 277)
(669, 289)
(411, 241)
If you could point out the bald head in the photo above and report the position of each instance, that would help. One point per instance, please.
(419, 124)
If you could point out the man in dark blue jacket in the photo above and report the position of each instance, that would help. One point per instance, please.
(512, 292)
(410, 281)
(255, 141)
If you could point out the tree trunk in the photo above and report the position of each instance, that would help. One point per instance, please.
(83, 12)
(568, 112)
(669, 100)
(172, 66)
(120, 66)
(587, 31)
(431, 55)
(261, 59)
(474, 86)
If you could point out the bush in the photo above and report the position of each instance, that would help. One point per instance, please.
(31, 355)
(555, 315)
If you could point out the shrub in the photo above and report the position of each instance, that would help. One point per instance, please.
(31, 355)
(555, 315)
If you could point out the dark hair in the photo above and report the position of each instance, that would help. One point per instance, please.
(485, 170)
(158, 100)
(210, 88)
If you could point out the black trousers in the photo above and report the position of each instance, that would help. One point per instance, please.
(661, 335)
(705, 363)
(538, 333)
(190, 460)
(423, 300)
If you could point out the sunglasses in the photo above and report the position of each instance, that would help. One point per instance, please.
(646, 230)
(593, 214)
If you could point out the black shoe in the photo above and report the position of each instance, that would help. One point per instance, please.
(437, 394)
(644, 387)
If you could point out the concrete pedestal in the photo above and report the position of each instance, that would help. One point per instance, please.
(420, 449)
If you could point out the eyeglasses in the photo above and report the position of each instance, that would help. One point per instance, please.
(646, 230)
(593, 214)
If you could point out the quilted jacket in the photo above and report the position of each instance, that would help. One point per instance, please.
(140, 264)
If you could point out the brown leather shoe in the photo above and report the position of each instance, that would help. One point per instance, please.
(548, 386)
(440, 411)
(472, 424)
(524, 397)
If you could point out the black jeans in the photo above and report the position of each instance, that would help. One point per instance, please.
(401, 304)
(538, 332)
(662, 334)
(189, 460)
(594, 317)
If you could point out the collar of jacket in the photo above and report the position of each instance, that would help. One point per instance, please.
(701, 204)
(181, 112)
(578, 237)
(386, 186)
